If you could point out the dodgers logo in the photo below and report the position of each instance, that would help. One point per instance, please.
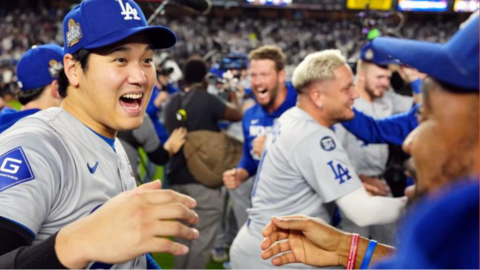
(74, 33)
(327, 143)
(128, 11)
(14, 169)
(342, 174)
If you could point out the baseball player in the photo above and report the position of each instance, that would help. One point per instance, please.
(274, 95)
(67, 193)
(448, 212)
(304, 168)
(37, 73)
(370, 160)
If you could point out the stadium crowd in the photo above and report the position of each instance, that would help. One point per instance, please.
(199, 35)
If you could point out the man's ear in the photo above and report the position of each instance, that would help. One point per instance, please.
(317, 96)
(73, 70)
(54, 89)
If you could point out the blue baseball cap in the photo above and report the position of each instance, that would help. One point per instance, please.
(454, 63)
(369, 53)
(98, 23)
(38, 67)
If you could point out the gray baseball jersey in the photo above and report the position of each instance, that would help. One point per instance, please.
(371, 159)
(55, 170)
(304, 168)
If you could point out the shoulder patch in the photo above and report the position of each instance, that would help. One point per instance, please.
(327, 143)
(14, 169)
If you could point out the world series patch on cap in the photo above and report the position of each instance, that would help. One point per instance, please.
(99, 23)
(39, 66)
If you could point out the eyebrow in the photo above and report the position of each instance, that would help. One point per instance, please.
(125, 48)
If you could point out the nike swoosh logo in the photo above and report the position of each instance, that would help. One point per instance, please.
(253, 122)
(92, 169)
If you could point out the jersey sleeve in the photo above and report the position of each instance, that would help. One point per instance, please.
(30, 171)
(324, 164)
(392, 130)
(247, 162)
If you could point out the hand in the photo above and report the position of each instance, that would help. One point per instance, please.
(176, 140)
(410, 74)
(258, 144)
(132, 223)
(375, 186)
(234, 178)
(160, 99)
(308, 240)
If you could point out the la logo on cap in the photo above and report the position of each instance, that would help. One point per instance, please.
(128, 11)
(74, 33)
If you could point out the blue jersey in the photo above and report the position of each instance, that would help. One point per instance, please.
(258, 121)
(441, 232)
(153, 112)
(8, 117)
(392, 130)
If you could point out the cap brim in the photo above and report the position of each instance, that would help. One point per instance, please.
(161, 37)
(427, 57)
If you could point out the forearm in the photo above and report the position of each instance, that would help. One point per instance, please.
(365, 210)
(39, 256)
(159, 156)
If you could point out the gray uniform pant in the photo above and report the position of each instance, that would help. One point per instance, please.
(241, 200)
(245, 251)
(209, 210)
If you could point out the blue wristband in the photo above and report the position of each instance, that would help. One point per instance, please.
(368, 254)
(416, 86)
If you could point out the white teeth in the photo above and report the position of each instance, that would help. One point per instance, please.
(261, 90)
(133, 96)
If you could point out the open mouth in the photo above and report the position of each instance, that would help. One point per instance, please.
(131, 103)
(262, 93)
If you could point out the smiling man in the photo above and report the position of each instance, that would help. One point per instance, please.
(68, 197)
(304, 168)
(274, 95)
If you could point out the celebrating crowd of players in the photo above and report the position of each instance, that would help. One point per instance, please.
(311, 154)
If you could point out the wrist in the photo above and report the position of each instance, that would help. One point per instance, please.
(68, 249)
(168, 148)
(344, 249)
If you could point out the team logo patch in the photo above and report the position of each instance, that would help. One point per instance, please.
(74, 33)
(14, 169)
(128, 11)
(54, 67)
(327, 143)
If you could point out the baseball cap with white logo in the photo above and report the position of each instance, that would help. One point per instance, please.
(98, 23)
(38, 67)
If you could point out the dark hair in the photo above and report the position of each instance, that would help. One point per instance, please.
(195, 71)
(24, 97)
(82, 57)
